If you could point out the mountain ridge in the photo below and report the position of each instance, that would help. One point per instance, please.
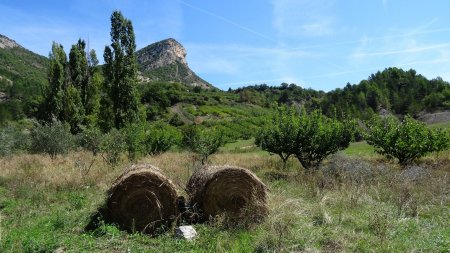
(165, 60)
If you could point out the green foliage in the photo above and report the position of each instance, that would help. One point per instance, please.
(52, 138)
(396, 90)
(319, 136)
(91, 140)
(310, 137)
(203, 141)
(79, 69)
(405, 140)
(92, 106)
(279, 136)
(112, 146)
(134, 135)
(121, 72)
(53, 105)
(160, 137)
(23, 80)
(12, 139)
(73, 111)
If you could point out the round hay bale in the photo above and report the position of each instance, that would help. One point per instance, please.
(143, 199)
(226, 190)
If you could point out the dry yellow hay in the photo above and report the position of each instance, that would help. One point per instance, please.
(227, 190)
(143, 199)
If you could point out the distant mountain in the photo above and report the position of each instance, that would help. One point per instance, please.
(166, 61)
(23, 77)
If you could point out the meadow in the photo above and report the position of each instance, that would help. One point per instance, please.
(357, 202)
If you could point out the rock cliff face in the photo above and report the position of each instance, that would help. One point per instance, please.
(166, 61)
(6, 42)
(161, 54)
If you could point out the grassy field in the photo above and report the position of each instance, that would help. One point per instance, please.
(350, 205)
(443, 125)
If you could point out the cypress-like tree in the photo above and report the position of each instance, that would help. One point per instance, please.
(92, 103)
(53, 104)
(79, 69)
(120, 73)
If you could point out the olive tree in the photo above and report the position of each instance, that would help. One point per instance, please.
(52, 138)
(405, 140)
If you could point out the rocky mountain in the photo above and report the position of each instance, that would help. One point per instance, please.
(6, 42)
(166, 61)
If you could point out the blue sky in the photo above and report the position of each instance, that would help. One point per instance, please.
(322, 44)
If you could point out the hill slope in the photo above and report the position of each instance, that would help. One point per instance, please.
(23, 77)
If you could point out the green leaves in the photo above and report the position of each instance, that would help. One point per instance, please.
(406, 140)
(121, 72)
(53, 138)
(311, 137)
(203, 141)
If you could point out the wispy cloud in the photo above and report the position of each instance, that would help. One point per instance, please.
(226, 20)
(402, 51)
(292, 18)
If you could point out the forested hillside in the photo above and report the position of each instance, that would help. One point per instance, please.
(392, 90)
(24, 80)
(23, 77)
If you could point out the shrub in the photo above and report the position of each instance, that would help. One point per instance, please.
(52, 138)
(112, 146)
(91, 140)
(12, 139)
(406, 140)
(161, 137)
(310, 137)
(204, 142)
(134, 135)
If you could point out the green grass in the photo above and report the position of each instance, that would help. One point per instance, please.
(360, 149)
(45, 205)
(443, 125)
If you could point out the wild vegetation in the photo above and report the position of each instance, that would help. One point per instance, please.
(60, 155)
(352, 203)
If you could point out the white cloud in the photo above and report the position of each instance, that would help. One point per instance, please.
(294, 18)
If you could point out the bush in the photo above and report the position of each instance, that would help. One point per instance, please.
(134, 136)
(113, 145)
(91, 140)
(161, 137)
(204, 142)
(406, 140)
(12, 139)
(52, 138)
(310, 137)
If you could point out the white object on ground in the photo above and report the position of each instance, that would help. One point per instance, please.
(185, 232)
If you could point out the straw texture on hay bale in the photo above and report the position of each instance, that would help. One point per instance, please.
(233, 191)
(143, 199)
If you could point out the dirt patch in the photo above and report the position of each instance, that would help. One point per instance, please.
(436, 117)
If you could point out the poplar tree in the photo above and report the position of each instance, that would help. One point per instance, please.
(120, 73)
(79, 69)
(53, 104)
